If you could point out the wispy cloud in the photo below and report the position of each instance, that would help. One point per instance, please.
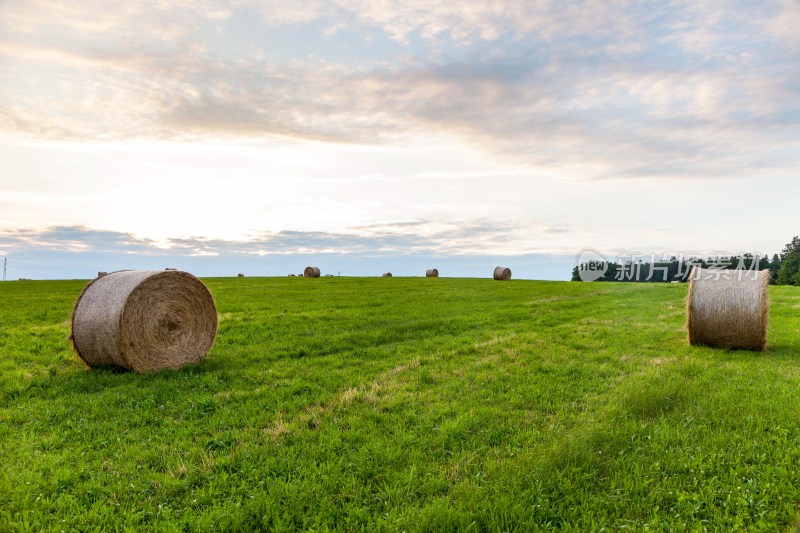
(75, 239)
(596, 89)
(481, 237)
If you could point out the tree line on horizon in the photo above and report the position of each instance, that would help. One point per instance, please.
(784, 268)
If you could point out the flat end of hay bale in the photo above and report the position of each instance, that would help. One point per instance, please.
(502, 273)
(144, 321)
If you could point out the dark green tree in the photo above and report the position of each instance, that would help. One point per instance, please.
(789, 272)
(791, 248)
(611, 274)
(763, 262)
(774, 267)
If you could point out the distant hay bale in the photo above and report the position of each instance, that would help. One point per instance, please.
(101, 274)
(432, 273)
(387, 274)
(144, 320)
(240, 275)
(292, 275)
(170, 268)
(311, 272)
(502, 273)
(728, 308)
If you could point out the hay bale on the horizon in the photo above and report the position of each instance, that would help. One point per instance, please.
(502, 273)
(728, 308)
(101, 274)
(292, 275)
(311, 272)
(240, 275)
(432, 273)
(144, 320)
(387, 274)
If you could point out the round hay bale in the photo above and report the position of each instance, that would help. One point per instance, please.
(101, 274)
(311, 272)
(144, 320)
(387, 274)
(502, 273)
(728, 308)
(432, 273)
(239, 275)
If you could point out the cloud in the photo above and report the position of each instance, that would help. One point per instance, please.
(785, 22)
(590, 89)
(75, 239)
(406, 248)
(465, 247)
(474, 237)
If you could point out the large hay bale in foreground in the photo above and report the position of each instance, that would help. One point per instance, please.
(144, 320)
(387, 274)
(502, 273)
(432, 273)
(311, 272)
(728, 308)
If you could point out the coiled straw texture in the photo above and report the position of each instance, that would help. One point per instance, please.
(311, 272)
(144, 320)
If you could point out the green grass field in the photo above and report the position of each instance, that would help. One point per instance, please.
(405, 404)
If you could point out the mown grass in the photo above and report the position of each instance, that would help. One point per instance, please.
(405, 404)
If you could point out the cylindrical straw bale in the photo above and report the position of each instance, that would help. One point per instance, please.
(144, 320)
(728, 308)
(502, 273)
(311, 272)
(432, 273)
(387, 274)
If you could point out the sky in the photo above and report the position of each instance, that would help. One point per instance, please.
(366, 136)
